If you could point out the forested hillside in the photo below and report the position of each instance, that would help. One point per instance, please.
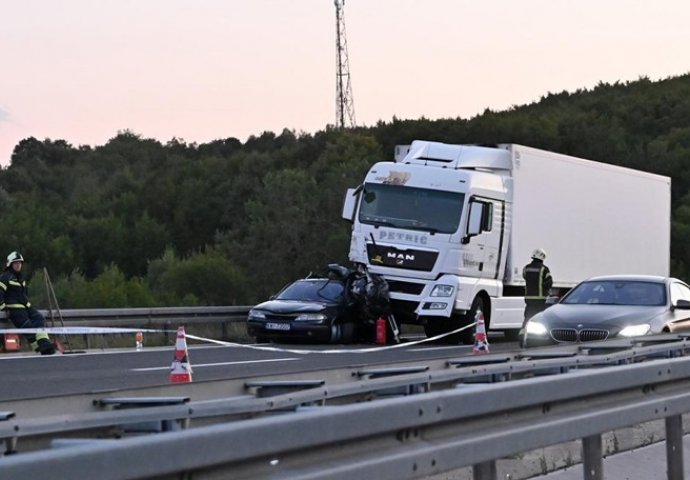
(139, 223)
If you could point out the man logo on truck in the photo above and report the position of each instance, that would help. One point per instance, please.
(400, 258)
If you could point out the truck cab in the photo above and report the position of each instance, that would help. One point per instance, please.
(434, 225)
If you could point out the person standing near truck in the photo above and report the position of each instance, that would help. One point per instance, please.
(538, 282)
(14, 300)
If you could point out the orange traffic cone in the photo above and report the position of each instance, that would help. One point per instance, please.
(181, 369)
(12, 342)
(481, 343)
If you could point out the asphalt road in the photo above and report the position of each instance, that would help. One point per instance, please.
(33, 376)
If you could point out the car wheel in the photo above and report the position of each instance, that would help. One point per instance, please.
(335, 333)
(262, 339)
(347, 332)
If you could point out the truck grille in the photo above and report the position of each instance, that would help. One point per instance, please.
(405, 287)
(572, 335)
(410, 259)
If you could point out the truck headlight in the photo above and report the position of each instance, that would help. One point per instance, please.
(442, 291)
(634, 330)
(535, 328)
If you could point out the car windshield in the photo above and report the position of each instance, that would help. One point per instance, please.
(313, 291)
(409, 207)
(617, 292)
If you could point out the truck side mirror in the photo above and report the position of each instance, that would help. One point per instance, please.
(350, 204)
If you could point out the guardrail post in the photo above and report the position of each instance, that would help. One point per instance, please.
(674, 447)
(485, 471)
(592, 458)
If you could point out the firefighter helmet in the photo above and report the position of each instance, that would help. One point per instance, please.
(14, 257)
(539, 254)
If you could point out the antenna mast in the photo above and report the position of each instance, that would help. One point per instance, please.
(344, 105)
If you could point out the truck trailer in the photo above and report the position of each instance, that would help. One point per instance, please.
(450, 228)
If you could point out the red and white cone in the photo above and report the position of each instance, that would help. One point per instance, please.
(481, 343)
(181, 369)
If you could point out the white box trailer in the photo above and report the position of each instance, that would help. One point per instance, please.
(451, 227)
(591, 218)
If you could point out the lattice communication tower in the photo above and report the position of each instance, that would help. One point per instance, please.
(344, 105)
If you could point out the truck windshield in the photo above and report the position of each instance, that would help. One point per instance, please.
(410, 207)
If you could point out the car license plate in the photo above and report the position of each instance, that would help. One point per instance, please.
(277, 326)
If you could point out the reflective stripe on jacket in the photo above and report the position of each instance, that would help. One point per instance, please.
(538, 280)
(13, 292)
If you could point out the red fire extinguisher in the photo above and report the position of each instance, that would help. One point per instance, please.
(381, 331)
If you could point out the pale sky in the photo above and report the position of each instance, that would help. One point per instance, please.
(199, 70)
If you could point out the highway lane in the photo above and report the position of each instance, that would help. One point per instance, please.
(26, 376)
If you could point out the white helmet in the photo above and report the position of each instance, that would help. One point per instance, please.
(14, 257)
(539, 254)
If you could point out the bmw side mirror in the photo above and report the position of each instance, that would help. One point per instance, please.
(552, 299)
(682, 304)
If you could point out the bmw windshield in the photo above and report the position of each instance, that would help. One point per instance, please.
(410, 207)
(610, 292)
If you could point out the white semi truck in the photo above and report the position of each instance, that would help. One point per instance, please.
(450, 228)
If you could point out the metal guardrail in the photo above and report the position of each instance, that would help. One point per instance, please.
(405, 437)
(131, 317)
(408, 436)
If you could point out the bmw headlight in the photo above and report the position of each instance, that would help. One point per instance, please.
(535, 328)
(442, 291)
(311, 317)
(257, 315)
(635, 330)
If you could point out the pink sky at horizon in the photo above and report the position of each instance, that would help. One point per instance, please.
(82, 71)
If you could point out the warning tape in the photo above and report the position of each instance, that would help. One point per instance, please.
(107, 330)
(354, 350)
(79, 330)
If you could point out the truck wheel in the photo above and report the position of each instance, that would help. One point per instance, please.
(512, 335)
(433, 327)
(440, 325)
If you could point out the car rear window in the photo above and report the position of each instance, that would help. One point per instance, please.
(609, 292)
(311, 290)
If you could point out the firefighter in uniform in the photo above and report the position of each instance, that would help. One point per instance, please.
(14, 301)
(538, 281)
